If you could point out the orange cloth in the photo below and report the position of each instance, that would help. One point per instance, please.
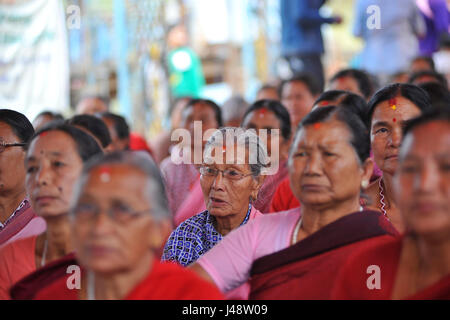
(284, 199)
(165, 281)
(17, 259)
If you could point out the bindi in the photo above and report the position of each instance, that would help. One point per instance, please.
(105, 174)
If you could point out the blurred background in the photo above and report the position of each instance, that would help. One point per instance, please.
(118, 49)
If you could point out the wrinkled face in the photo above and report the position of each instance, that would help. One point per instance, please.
(422, 181)
(386, 131)
(264, 119)
(346, 84)
(324, 169)
(117, 242)
(298, 100)
(199, 112)
(52, 167)
(12, 172)
(91, 106)
(224, 196)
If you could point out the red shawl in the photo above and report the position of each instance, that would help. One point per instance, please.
(353, 278)
(165, 281)
(307, 270)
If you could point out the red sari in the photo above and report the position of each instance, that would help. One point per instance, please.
(165, 281)
(308, 269)
(283, 198)
(352, 281)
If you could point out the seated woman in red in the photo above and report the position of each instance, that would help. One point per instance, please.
(120, 218)
(417, 265)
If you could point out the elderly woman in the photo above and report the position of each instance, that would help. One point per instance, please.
(283, 198)
(415, 266)
(295, 255)
(53, 162)
(389, 108)
(17, 219)
(180, 178)
(120, 219)
(230, 186)
(272, 117)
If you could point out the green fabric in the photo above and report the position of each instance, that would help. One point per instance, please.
(186, 73)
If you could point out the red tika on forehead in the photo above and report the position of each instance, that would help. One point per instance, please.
(341, 80)
(393, 103)
(105, 169)
(43, 134)
(324, 103)
(262, 112)
(316, 125)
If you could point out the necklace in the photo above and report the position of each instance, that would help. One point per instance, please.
(297, 228)
(383, 204)
(299, 224)
(44, 253)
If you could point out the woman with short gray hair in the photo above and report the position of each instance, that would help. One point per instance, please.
(231, 176)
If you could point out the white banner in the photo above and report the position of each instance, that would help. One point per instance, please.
(34, 61)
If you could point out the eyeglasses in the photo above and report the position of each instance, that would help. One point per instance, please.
(4, 145)
(87, 212)
(229, 174)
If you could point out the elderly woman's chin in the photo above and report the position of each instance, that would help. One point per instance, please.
(218, 211)
(315, 198)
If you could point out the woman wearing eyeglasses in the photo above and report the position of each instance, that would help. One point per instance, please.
(53, 162)
(17, 218)
(229, 189)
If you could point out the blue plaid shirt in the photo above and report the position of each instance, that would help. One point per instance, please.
(193, 238)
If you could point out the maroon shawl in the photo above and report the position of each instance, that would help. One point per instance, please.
(28, 287)
(308, 269)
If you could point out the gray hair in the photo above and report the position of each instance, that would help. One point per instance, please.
(257, 150)
(143, 162)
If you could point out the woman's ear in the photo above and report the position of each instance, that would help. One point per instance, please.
(257, 184)
(159, 233)
(367, 171)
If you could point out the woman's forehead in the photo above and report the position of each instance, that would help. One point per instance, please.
(52, 142)
(231, 153)
(323, 133)
(429, 139)
(398, 107)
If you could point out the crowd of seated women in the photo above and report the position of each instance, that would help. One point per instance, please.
(302, 194)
